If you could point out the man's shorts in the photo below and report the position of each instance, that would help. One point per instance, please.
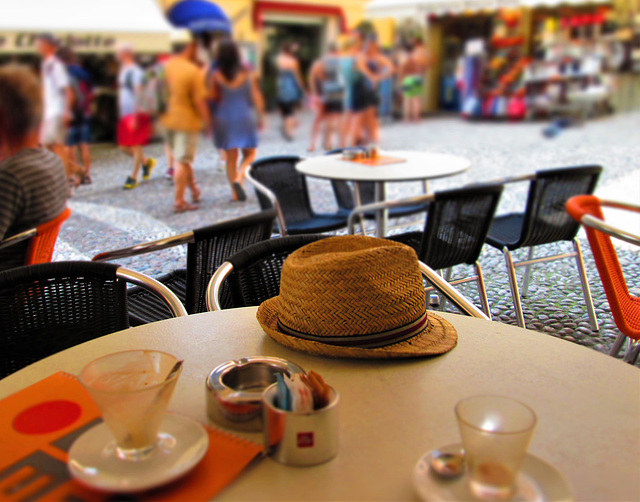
(53, 131)
(183, 145)
(80, 134)
(131, 133)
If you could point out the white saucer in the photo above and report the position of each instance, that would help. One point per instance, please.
(538, 481)
(93, 460)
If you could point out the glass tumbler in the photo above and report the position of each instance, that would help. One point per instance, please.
(496, 432)
(132, 390)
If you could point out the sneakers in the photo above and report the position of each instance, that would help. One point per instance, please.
(148, 167)
(130, 183)
(169, 174)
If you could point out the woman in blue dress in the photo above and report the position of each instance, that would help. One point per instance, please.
(239, 110)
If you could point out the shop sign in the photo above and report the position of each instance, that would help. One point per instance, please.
(27, 42)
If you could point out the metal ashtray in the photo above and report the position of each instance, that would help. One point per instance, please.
(234, 390)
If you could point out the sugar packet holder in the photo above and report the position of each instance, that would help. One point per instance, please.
(301, 438)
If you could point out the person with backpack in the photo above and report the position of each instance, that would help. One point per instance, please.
(290, 88)
(328, 91)
(135, 127)
(79, 133)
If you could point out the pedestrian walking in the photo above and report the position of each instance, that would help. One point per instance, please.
(291, 89)
(239, 114)
(186, 117)
(56, 89)
(411, 76)
(79, 134)
(373, 67)
(135, 126)
(33, 179)
(327, 89)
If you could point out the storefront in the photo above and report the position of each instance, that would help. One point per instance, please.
(93, 30)
(494, 59)
(261, 26)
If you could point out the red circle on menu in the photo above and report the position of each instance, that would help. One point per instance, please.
(48, 417)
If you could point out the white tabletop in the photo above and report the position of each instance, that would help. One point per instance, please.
(588, 404)
(418, 166)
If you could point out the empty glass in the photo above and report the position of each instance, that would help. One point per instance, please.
(132, 390)
(496, 432)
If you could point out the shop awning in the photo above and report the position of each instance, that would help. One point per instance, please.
(418, 9)
(404, 9)
(260, 8)
(199, 16)
(87, 25)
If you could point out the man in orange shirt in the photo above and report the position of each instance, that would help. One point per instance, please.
(187, 116)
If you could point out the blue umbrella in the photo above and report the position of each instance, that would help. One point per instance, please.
(199, 16)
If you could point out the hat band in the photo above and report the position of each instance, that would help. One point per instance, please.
(371, 341)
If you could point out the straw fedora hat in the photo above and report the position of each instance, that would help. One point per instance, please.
(355, 296)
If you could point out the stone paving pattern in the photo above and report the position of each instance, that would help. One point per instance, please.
(107, 217)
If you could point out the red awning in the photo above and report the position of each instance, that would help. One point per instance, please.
(261, 7)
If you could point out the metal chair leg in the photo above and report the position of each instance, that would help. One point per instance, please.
(515, 292)
(356, 192)
(586, 290)
(617, 345)
(527, 274)
(483, 290)
(633, 352)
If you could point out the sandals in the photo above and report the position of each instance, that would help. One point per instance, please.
(239, 192)
(184, 207)
(196, 195)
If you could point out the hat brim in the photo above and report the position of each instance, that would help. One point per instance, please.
(437, 338)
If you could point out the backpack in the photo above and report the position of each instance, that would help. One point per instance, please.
(333, 86)
(288, 89)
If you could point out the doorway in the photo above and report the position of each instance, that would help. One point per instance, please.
(309, 36)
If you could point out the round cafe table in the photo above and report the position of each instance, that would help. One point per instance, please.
(391, 412)
(415, 166)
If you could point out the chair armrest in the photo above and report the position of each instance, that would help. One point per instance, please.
(272, 198)
(145, 247)
(389, 204)
(451, 293)
(156, 287)
(598, 224)
(22, 236)
(511, 179)
(620, 205)
(215, 285)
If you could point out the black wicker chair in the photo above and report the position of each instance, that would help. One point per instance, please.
(53, 306)
(455, 230)
(545, 221)
(207, 249)
(253, 274)
(278, 185)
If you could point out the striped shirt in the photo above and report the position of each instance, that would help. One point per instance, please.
(33, 191)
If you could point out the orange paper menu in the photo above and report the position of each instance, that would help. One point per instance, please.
(381, 160)
(39, 424)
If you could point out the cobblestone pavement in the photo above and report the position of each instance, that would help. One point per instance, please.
(107, 217)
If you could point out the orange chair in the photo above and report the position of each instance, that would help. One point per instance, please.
(42, 239)
(587, 209)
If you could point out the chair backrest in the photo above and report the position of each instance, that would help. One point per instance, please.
(41, 246)
(213, 245)
(279, 175)
(457, 225)
(624, 306)
(50, 307)
(546, 219)
(256, 269)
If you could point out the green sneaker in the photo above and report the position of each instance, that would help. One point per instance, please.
(148, 167)
(130, 183)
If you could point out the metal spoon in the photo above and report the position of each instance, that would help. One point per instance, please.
(176, 367)
(447, 464)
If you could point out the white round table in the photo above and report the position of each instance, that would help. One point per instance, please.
(418, 166)
(588, 404)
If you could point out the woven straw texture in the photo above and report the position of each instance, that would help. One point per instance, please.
(353, 285)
